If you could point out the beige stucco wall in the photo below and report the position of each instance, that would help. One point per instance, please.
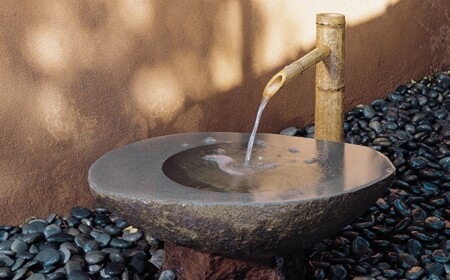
(78, 78)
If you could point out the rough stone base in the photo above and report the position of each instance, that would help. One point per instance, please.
(191, 264)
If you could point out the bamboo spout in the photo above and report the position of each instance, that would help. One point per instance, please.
(330, 84)
(294, 69)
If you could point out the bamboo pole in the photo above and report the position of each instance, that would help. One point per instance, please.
(330, 83)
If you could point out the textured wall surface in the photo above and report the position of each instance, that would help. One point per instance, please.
(78, 78)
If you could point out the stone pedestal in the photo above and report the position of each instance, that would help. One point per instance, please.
(191, 264)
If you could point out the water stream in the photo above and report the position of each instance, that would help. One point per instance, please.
(220, 167)
(251, 140)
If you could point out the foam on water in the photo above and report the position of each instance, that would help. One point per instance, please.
(225, 163)
(236, 168)
(209, 140)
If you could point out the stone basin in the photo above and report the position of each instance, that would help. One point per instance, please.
(340, 182)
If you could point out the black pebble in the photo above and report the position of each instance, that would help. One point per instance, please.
(60, 237)
(78, 275)
(114, 268)
(80, 212)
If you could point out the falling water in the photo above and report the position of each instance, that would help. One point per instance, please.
(251, 140)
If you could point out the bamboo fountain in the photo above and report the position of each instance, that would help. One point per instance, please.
(245, 226)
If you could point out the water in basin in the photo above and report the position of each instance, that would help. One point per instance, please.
(220, 168)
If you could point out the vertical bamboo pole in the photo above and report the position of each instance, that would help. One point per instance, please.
(330, 83)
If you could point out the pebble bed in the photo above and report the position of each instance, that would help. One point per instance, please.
(85, 244)
(403, 236)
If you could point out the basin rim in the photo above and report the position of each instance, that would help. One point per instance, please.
(174, 193)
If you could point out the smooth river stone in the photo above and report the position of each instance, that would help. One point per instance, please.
(94, 233)
(48, 256)
(119, 243)
(81, 240)
(445, 131)
(121, 223)
(85, 229)
(114, 268)
(30, 263)
(414, 273)
(407, 261)
(57, 275)
(87, 222)
(26, 255)
(434, 223)
(47, 269)
(51, 218)
(167, 275)
(101, 210)
(447, 268)
(72, 266)
(289, 131)
(72, 221)
(51, 230)
(116, 257)
(60, 237)
(65, 254)
(103, 239)
(71, 247)
(134, 252)
(378, 103)
(20, 273)
(80, 212)
(18, 264)
(95, 268)
(101, 220)
(137, 264)
(36, 276)
(34, 226)
(91, 245)
(18, 246)
(5, 272)
(132, 237)
(434, 268)
(441, 256)
(3, 235)
(95, 257)
(375, 125)
(445, 161)
(73, 231)
(7, 261)
(78, 275)
(157, 258)
(31, 238)
(414, 247)
(368, 112)
(360, 247)
(113, 230)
